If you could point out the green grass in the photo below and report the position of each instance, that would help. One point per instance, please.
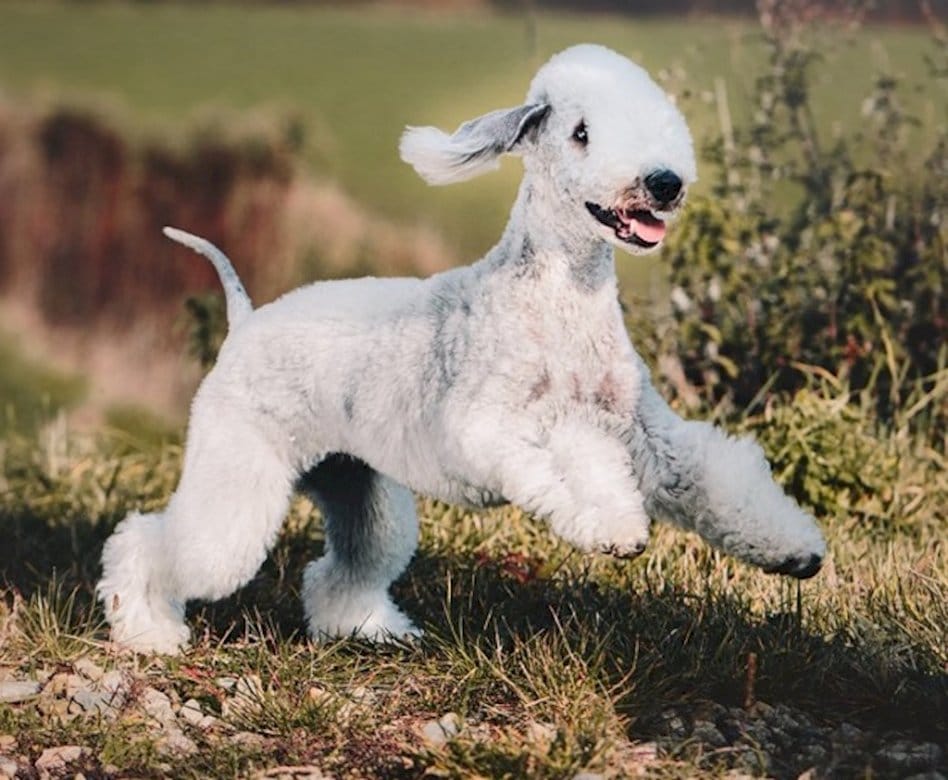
(30, 392)
(358, 77)
(553, 662)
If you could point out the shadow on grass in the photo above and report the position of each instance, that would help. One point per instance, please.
(656, 647)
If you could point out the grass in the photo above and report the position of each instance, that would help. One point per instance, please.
(32, 393)
(551, 662)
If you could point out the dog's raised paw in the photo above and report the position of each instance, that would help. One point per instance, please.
(801, 568)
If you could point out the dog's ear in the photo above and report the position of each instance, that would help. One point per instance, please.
(474, 148)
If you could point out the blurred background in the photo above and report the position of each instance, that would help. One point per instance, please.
(814, 238)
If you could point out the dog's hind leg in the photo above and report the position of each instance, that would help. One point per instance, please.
(371, 534)
(210, 540)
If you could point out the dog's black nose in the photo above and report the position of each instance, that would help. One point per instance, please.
(664, 185)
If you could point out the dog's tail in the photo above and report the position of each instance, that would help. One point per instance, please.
(238, 302)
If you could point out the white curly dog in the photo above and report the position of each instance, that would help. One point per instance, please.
(510, 380)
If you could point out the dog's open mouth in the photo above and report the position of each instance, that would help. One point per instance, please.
(639, 227)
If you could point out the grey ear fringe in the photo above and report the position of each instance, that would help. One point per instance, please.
(473, 149)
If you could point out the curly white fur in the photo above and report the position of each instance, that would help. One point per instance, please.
(510, 380)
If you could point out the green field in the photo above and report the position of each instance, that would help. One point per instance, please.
(358, 77)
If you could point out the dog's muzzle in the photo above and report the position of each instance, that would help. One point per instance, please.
(638, 227)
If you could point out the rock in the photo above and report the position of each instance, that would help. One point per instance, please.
(761, 709)
(88, 669)
(731, 728)
(8, 767)
(781, 717)
(813, 755)
(906, 756)
(54, 759)
(320, 696)
(707, 733)
(192, 713)
(173, 740)
(756, 761)
(673, 725)
(292, 773)
(362, 695)
(227, 683)
(437, 732)
(65, 685)
(53, 706)
(847, 734)
(588, 776)
(248, 739)
(13, 691)
(157, 706)
(541, 734)
(91, 701)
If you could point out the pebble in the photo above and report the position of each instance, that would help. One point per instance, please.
(13, 691)
(157, 706)
(905, 756)
(54, 759)
(673, 725)
(193, 714)
(708, 733)
(65, 685)
(8, 766)
(173, 740)
(847, 734)
(362, 695)
(227, 683)
(248, 739)
(293, 773)
(437, 732)
(88, 669)
(541, 734)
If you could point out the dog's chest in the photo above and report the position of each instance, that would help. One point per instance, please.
(588, 366)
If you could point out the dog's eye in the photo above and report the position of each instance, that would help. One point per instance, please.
(580, 135)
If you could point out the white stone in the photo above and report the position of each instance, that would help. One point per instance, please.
(13, 691)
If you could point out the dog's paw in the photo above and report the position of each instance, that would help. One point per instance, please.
(800, 567)
(164, 637)
(333, 612)
(625, 551)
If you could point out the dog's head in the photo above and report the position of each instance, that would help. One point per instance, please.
(603, 144)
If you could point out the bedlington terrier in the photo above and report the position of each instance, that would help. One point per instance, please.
(510, 380)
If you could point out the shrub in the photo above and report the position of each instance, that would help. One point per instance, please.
(807, 252)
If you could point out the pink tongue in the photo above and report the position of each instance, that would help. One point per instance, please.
(652, 232)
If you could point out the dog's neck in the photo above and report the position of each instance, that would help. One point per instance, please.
(541, 244)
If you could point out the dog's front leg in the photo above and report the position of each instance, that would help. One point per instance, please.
(574, 476)
(697, 476)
